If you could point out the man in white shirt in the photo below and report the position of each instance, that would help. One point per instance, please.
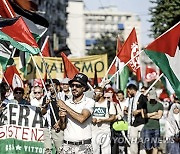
(78, 134)
(65, 94)
(103, 115)
(38, 96)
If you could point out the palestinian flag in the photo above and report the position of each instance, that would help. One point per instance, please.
(37, 24)
(18, 35)
(164, 52)
(5, 55)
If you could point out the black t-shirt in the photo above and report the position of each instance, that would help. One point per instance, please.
(56, 111)
(141, 105)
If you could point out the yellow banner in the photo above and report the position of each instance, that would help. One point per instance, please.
(55, 65)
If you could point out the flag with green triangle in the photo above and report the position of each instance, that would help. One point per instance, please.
(18, 35)
(37, 24)
(164, 52)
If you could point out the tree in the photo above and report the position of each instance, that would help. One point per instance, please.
(165, 14)
(105, 44)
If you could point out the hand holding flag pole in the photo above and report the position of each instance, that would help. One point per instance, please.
(45, 87)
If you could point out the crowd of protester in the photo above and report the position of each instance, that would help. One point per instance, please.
(109, 121)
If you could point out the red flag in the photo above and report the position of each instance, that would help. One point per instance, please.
(129, 50)
(45, 48)
(167, 42)
(114, 67)
(6, 10)
(69, 69)
(13, 78)
(151, 74)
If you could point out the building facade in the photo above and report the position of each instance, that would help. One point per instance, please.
(109, 19)
(76, 27)
(55, 12)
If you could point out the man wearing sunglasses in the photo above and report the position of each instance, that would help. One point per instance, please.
(65, 94)
(18, 93)
(104, 113)
(38, 96)
(77, 134)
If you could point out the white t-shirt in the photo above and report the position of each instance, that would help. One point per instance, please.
(76, 131)
(124, 104)
(101, 112)
(37, 103)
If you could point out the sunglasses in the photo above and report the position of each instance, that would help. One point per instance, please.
(76, 85)
(97, 92)
(18, 92)
(107, 97)
(37, 92)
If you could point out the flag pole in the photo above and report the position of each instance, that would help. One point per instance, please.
(44, 87)
(39, 73)
(111, 62)
(49, 75)
(46, 39)
(117, 76)
(120, 70)
(104, 78)
(153, 84)
(8, 8)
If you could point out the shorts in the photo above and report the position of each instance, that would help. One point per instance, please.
(151, 138)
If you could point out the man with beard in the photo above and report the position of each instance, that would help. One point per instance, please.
(52, 133)
(137, 105)
(103, 115)
(78, 134)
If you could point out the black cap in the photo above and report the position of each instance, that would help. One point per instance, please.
(81, 78)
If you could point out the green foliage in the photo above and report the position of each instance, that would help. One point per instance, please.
(165, 14)
(105, 44)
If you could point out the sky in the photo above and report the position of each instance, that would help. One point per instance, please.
(139, 7)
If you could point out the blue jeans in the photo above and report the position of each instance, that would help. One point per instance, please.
(151, 138)
(173, 148)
